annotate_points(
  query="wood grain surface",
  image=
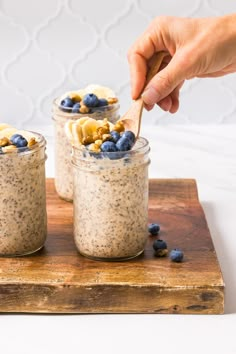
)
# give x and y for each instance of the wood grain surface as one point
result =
(57, 279)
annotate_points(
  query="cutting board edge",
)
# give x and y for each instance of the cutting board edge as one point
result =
(49, 299)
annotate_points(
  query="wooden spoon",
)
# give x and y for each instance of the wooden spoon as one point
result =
(132, 118)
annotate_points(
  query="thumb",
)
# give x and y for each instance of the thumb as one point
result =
(163, 83)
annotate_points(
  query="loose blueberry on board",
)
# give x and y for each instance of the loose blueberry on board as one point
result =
(153, 229)
(67, 102)
(176, 255)
(14, 137)
(159, 245)
(115, 136)
(160, 248)
(76, 108)
(124, 144)
(108, 146)
(90, 100)
(102, 102)
(129, 135)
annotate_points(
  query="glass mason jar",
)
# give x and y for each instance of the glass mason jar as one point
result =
(111, 202)
(23, 217)
(63, 175)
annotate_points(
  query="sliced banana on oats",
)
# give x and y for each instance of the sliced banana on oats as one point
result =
(8, 132)
(105, 121)
(4, 126)
(99, 91)
(9, 148)
(73, 132)
(89, 128)
(82, 120)
(77, 134)
(68, 130)
(84, 130)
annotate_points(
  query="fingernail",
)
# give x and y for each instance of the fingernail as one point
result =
(150, 96)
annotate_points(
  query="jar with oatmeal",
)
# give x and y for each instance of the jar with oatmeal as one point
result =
(109, 108)
(23, 218)
(111, 202)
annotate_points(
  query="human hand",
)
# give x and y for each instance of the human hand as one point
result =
(203, 47)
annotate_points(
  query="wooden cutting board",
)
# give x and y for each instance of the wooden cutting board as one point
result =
(59, 280)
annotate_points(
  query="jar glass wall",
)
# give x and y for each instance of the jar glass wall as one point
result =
(111, 202)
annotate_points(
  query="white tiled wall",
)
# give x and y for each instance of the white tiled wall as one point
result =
(47, 47)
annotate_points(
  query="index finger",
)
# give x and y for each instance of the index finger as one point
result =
(138, 56)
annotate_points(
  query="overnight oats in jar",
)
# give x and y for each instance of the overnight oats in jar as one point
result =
(23, 217)
(110, 193)
(94, 101)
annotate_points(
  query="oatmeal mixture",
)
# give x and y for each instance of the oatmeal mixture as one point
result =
(23, 219)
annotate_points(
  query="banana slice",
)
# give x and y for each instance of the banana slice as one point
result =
(73, 132)
(7, 132)
(105, 121)
(82, 120)
(84, 130)
(100, 91)
(77, 134)
(89, 128)
(4, 126)
(68, 130)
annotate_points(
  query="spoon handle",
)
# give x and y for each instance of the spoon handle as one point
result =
(155, 64)
(132, 118)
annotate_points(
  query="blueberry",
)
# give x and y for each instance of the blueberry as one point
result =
(159, 245)
(124, 144)
(176, 255)
(18, 140)
(160, 248)
(129, 135)
(153, 229)
(90, 100)
(14, 137)
(115, 136)
(76, 108)
(108, 146)
(67, 102)
(102, 102)
(21, 142)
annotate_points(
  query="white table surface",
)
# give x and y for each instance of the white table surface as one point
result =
(207, 154)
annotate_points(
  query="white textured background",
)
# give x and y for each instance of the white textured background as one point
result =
(47, 47)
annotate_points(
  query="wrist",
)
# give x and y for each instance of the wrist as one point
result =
(229, 26)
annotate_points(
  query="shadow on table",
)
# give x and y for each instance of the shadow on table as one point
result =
(226, 262)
